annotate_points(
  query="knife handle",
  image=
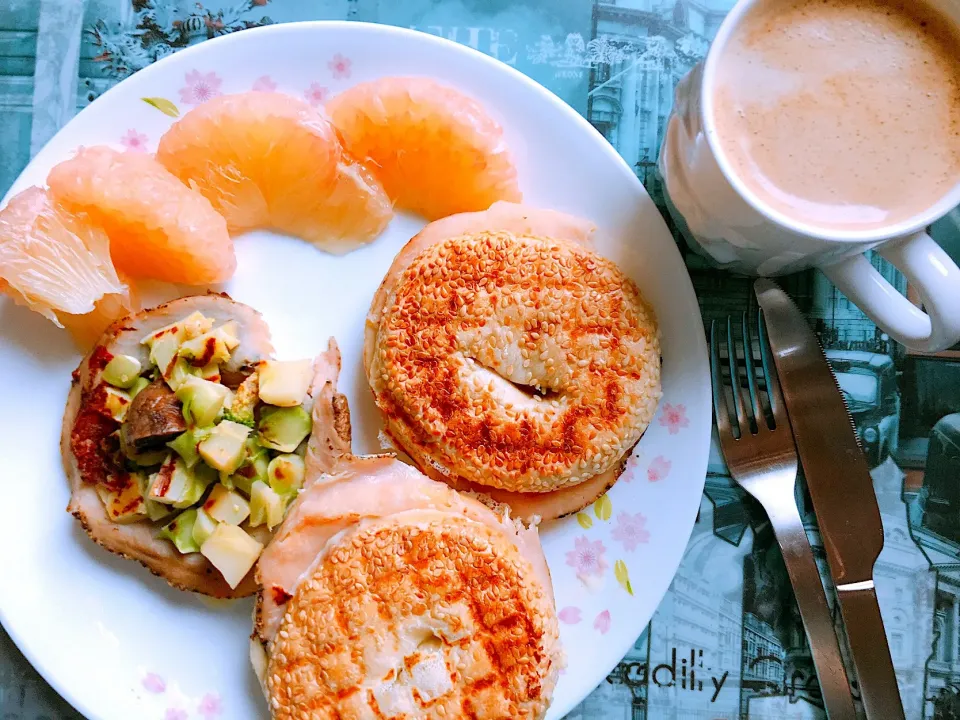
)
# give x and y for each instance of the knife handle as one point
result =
(870, 652)
(812, 603)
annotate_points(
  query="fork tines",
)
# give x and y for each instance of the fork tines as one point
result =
(734, 370)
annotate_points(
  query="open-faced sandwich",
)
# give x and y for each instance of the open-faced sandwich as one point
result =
(183, 441)
(387, 594)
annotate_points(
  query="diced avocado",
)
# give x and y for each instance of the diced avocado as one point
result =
(140, 384)
(185, 444)
(286, 473)
(157, 511)
(283, 428)
(176, 484)
(189, 327)
(226, 479)
(227, 506)
(241, 407)
(205, 474)
(236, 481)
(122, 371)
(203, 526)
(285, 383)
(116, 402)
(259, 463)
(213, 346)
(254, 468)
(266, 506)
(179, 531)
(201, 400)
(122, 499)
(225, 449)
(231, 551)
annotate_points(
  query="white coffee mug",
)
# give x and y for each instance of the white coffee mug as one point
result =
(734, 228)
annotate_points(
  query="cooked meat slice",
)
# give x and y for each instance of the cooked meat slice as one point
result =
(154, 417)
(330, 438)
(358, 488)
(140, 540)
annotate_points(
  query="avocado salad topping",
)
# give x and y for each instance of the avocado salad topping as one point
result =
(203, 460)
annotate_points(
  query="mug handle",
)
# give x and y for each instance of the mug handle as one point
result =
(929, 269)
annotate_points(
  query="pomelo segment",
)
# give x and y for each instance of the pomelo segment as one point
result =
(59, 266)
(158, 227)
(436, 150)
(268, 160)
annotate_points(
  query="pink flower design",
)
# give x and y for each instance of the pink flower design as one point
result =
(587, 556)
(569, 615)
(200, 87)
(602, 622)
(264, 83)
(631, 530)
(316, 94)
(674, 417)
(210, 706)
(339, 66)
(154, 683)
(659, 469)
(134, 141)
(175, 714)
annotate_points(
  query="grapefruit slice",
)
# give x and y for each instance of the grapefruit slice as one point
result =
(271, 160)
(59, 266)
(436, 151)
(158, 227)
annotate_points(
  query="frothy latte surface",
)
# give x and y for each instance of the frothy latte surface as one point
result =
(844, 114)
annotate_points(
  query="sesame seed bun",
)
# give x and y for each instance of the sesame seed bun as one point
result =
(362, 488)
(509, 361)
(422, 614)
(387, 594)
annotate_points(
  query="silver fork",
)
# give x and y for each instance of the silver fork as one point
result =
(760, 453)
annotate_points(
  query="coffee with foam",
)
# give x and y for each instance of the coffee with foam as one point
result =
(842, 114)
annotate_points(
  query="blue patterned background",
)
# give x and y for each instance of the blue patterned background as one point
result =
(730, 610)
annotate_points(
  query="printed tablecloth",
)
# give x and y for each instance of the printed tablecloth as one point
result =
(727, 641)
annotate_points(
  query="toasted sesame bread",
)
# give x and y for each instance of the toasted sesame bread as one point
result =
(387, 594)
(422, 614)
(522, 363)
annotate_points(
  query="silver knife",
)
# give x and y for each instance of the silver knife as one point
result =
(841, 489)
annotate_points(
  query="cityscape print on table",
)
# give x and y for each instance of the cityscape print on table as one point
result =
(727, 641)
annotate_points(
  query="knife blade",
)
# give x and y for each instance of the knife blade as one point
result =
(840, 486)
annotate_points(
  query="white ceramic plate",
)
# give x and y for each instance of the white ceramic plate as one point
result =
(117, 642)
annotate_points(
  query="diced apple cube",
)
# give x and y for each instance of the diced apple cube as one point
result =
(285, 383)
(266, 506)
(224, 449)
(231, 551)
(122, 499)
(227, 506)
